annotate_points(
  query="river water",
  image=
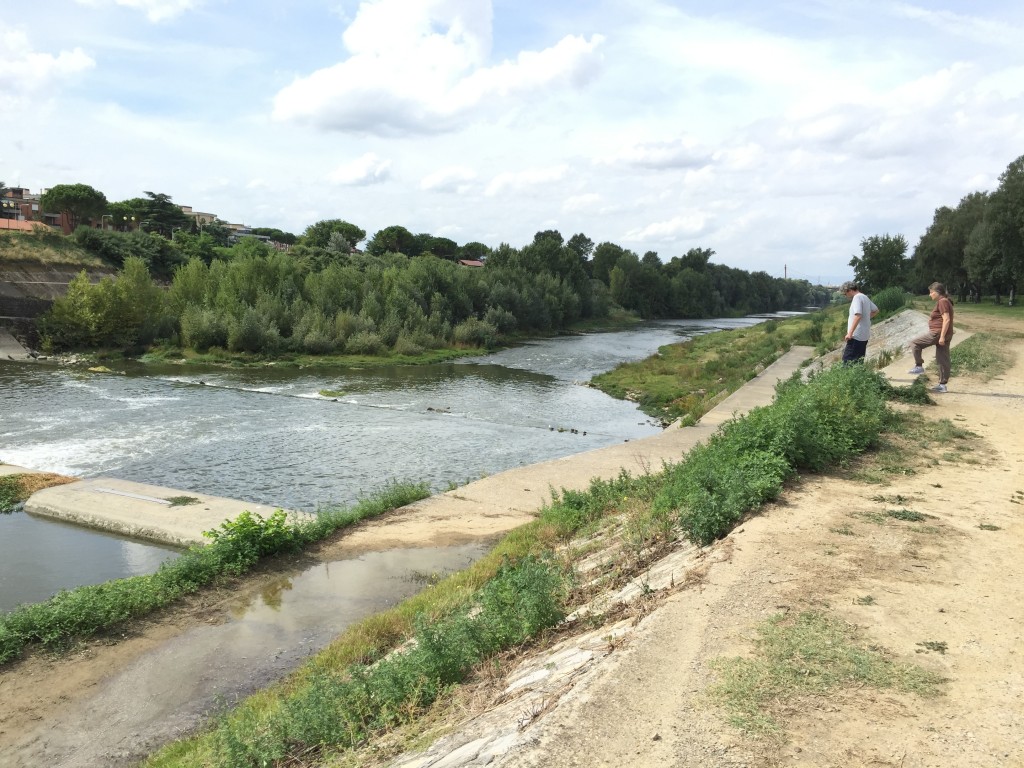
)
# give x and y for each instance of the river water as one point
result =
(268, 435)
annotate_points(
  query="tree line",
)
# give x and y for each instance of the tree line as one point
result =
(976, 248)
(323, 295)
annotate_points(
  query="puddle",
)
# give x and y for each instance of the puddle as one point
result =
(175, 688)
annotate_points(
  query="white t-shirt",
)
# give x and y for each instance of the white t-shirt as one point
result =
(863, 306)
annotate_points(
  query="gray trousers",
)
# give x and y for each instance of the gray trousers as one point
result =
(931, 339)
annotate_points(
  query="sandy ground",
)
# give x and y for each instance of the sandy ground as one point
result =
(949, 582)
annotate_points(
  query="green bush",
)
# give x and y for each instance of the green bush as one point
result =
(475, 333)
(811, 425)
(202, 329)
(890, 300)
(364, 343)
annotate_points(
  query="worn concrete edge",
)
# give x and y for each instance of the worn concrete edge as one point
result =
(111, 505)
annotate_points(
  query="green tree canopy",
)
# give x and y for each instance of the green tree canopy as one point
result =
(160, 214)
(277, 235)
(318, 235)
(79, 202)
(393, 239)
(882, 262)
(940, 253)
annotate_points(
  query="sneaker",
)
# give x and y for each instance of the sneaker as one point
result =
(917, 369)
(939, 388)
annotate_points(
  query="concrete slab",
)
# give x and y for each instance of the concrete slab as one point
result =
(12, 469)
(139, 510)
(11, 349)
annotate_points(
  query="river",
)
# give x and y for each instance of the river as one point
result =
(267, 435)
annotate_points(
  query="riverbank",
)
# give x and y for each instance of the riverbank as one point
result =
(641, 688)
(717, 593)
(55, 690)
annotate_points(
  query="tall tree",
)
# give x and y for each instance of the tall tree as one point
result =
(882, 262)
(1005, 214)
(940, 253)
(393, 239)
(78, 202)
(606, 255)
(318, 235)
(160, 214)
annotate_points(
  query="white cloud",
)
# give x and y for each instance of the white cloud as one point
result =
(363, 171)
(522, 180)
(456, 178)
(155, 10)
(421, 67)
(29, 73)
(781, 138)
(582, 203)
(683, 225)
(677, 153)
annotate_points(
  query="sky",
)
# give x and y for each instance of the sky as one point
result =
(777, 134)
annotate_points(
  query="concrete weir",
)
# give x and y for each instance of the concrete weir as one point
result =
(141, 511)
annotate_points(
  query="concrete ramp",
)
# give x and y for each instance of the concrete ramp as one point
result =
(11, 349)
(142, 511)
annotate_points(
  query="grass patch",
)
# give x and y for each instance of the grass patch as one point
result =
(220, 358)
(182, 501)
(907, 437)
(809, 654)
(15, 489)
(45, 246)
(909, 515)
(983, 355)
(686, 380)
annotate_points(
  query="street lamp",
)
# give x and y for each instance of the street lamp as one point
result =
(9, 206)
(128, 221)
(106, 216)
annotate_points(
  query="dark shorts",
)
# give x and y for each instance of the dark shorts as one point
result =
(854, 351)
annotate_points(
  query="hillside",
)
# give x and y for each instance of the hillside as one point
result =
(36, 268)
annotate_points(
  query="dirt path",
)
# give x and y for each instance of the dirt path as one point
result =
(950, 585)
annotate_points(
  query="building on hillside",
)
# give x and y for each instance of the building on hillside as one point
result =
(19, 204)
(471, 263)
(201, 218)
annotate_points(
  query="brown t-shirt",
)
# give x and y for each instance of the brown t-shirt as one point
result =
(942, 307)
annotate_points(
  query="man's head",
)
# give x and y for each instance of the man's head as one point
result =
(848, 288)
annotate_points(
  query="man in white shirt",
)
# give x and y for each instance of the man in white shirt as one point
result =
(858, 326)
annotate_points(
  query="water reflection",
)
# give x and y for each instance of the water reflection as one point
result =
(40, 557)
